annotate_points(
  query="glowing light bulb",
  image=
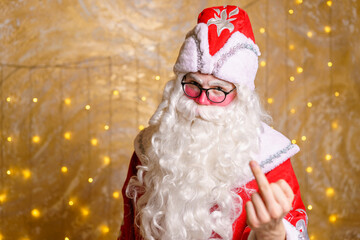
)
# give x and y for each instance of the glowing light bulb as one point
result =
(1, 237)
(26, 173)
(116, 194)
(292, 78)
(299, 69)
(141, 127)
(66, 238)
(330, 192)
(9, 139)
(309, 169)
(116, 93)
(85, 211)
(327, 29)
(309, 34)
(329, 3)
(67, 135)
(106, 127)
(35, 213)
(104, 229)
(262, 30)
(87, 107)
(330, 64)
(67, 101)
(107, 160)
(332, 218)
(291, 46)
(71, 203)
(90, 180)
(310, 207)
(157, 78)
(8, 99)
(309, 104)
(263, 63)
(270, 100)
(291, 11)
(36, 139)
(292, 111)
(293, 141)
(337, 94)
(303, 138)
(2, 197)
(299, 1)
(328, 157)
(143, 98)
(64, 169)
(8, 172)
(94, 142)
(35, 100)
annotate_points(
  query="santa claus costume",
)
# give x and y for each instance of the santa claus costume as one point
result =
(189, 176)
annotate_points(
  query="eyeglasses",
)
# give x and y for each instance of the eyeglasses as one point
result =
(194, 90)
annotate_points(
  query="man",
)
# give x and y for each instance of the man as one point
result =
(190, 176)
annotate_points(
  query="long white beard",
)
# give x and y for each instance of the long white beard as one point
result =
(200, 156)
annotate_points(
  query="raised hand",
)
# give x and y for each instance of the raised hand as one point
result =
(268, 206)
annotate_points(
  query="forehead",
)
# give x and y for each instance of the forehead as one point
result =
(208, 79)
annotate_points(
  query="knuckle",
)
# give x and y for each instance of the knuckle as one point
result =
(275, 212)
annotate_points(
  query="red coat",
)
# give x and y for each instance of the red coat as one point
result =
(296, 217)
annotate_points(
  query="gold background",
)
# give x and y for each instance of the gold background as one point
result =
(108, 53)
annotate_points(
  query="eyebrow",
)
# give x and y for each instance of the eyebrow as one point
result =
(199, 80)
(212, 82)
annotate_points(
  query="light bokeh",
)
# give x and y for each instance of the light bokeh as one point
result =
(79, 79)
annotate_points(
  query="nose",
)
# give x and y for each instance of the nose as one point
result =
(202, 99)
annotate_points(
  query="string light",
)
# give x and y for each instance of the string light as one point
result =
(1, 237)
(334, 125)
(337, 94)
(291, 46)
(262, 30)
(299, 69)
(309, 34)
(64, 169)
(141, 127)
(309, 207)
(35, 100)
(270, 100)
(104, 229)
(35, 213)
(66, 238)
(71, 202)
(94, 142)
(87, 107)
(67, 101)
(85, 211)
(8, 99)
(291, 11)
(293, 141)
(157, 78)
(2, 197)
(303, 138)
(309, 169)
(116, 93)
(327, 29)
(329, 3)
(309, 104)
(9, 139)
(25, 238)
(332, 218)
(292, 78)
(143, 98)
(292, 111)
(67, 135)
(107, 160)
(26, 173)
(8, 172)
(299, 1)
(116, 194)
(330, 192)
(90, 180)
(328, 157)
(36, 139)
(312, 237)
(106, 127)
(329, 64)
(263, 63)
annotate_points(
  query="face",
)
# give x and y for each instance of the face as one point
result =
(209, 81)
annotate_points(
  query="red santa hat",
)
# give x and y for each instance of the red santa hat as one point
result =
(221, 44)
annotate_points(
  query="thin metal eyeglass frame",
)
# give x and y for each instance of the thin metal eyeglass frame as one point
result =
(204, 89)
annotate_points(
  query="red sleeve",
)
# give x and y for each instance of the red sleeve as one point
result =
(296, 217)
(127, 231)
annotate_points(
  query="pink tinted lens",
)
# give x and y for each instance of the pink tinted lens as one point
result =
(191, 90)
(216, 95)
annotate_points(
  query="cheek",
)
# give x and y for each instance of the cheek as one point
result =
(227, 101)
